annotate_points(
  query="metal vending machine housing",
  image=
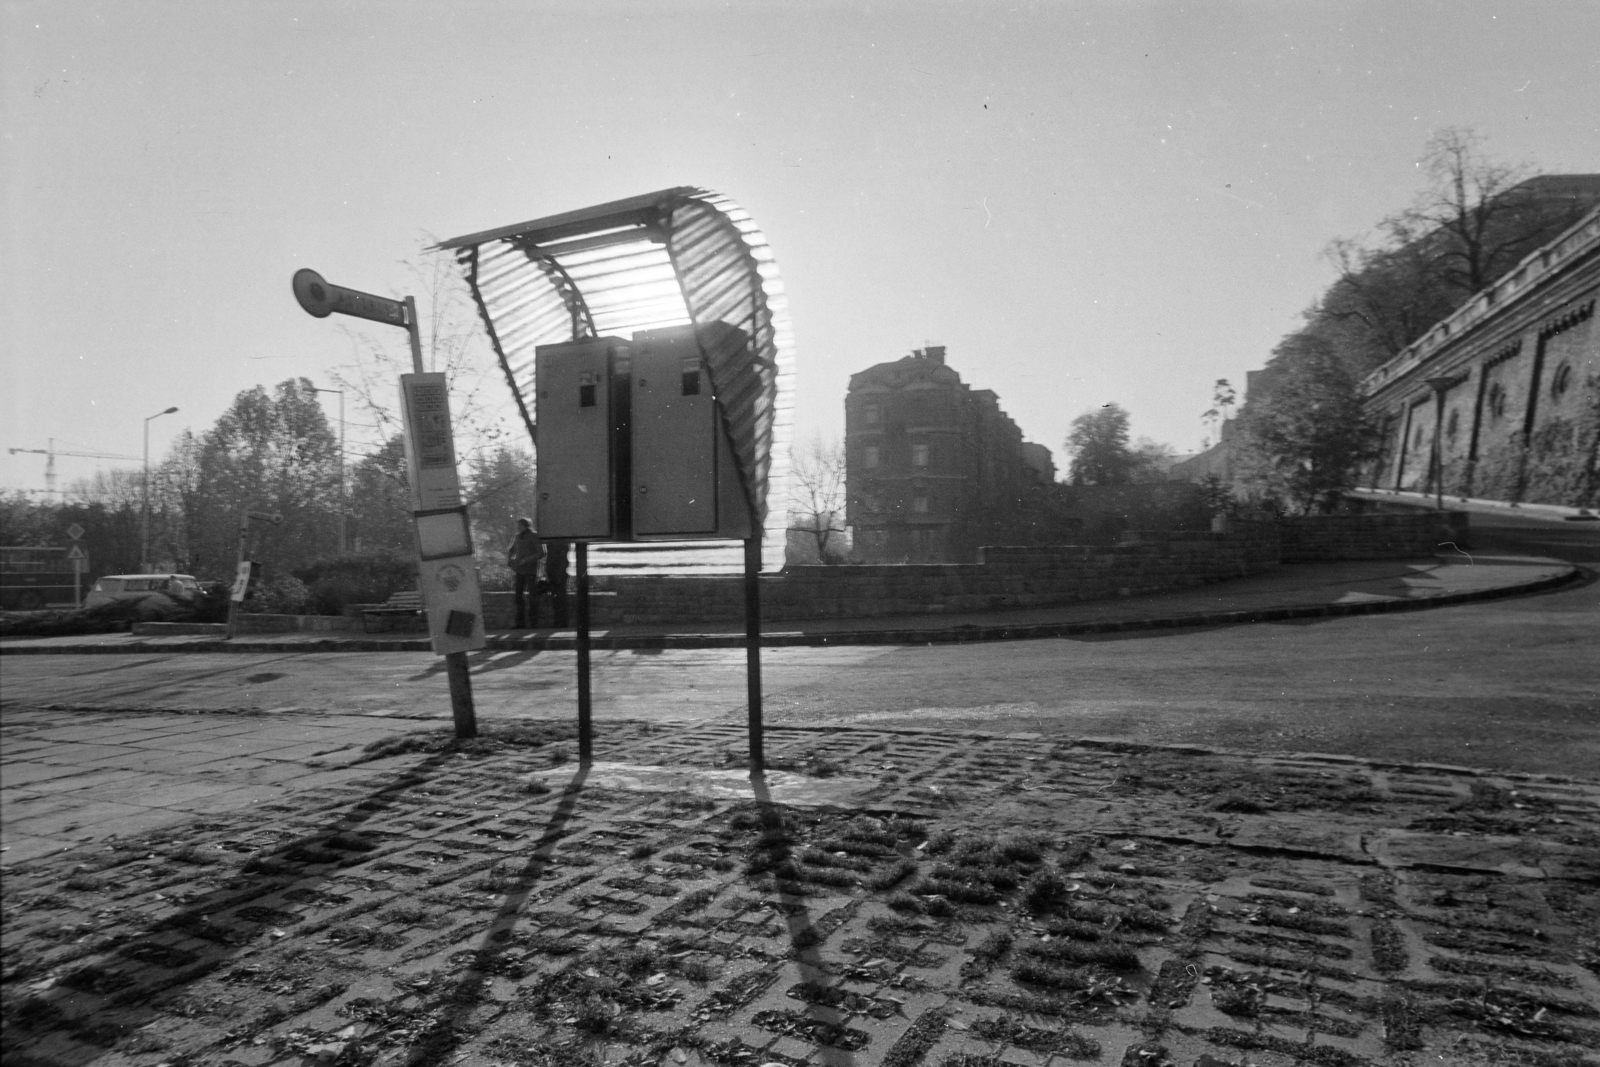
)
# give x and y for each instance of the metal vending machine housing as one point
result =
(685, 482)
(582, 416)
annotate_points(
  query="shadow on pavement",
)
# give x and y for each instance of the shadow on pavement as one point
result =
(95, 1005)
(464, 995)
(803, 937)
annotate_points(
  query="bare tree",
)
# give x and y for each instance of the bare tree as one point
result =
(1467, 198)
(816, 495)
(453, 342)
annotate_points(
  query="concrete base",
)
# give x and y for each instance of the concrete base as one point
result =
(295, 624)
(166, 629)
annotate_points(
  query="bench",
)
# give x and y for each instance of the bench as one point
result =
(406, 604)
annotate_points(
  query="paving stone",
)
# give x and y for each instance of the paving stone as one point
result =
(878, 898)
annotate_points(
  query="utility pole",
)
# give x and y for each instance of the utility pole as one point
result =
(144, 507)
(344, 544)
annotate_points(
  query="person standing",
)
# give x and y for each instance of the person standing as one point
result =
(525, 557)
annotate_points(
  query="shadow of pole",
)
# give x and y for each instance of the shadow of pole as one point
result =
(804, 940)
(92, 1014)
(444, 1035)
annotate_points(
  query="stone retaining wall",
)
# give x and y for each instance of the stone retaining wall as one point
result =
(1371, 535)
(1006, 577)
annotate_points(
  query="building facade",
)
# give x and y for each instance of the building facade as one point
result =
(1518, 370)
(933, 466)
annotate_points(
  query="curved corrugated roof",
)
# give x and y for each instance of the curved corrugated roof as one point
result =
(664, 259)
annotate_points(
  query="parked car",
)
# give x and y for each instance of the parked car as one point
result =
(161, 593)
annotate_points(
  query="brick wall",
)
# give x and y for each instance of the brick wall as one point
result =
(1397, 535)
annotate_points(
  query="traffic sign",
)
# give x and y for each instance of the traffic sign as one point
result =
(75, 532)
(77, 552)
(321, 298)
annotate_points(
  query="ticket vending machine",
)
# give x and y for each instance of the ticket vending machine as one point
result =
(632, 442)
(633, 446)
(581, 415)
(685, 483)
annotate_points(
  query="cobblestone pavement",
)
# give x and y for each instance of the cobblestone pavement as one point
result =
(879, 897)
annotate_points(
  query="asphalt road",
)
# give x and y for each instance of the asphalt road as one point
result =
(1510, 685)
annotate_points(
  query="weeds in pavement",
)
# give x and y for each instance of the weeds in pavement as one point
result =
(195, 855)
(1045, 890)
(490, 740)
(1117, 955)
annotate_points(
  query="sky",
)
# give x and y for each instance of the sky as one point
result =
(1084, 202)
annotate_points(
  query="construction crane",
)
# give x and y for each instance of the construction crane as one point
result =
(51, 452)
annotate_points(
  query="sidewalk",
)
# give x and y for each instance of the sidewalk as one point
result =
(879, 897)
(1297, 590)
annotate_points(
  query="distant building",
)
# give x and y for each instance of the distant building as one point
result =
(1040, 462)
(933, 466)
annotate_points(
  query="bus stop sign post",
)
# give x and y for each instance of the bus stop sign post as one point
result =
(245, 571)
(445, 569)
(80, 561)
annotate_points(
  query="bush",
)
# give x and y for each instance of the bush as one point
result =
(114, 617)
(280, 594)
(369, 578)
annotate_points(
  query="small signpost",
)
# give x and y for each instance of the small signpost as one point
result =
(80, 563)
(245, 571)
(447, 573)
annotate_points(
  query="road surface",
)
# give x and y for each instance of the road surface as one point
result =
(1510, 684)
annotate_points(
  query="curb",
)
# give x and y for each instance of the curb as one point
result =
(796, 639)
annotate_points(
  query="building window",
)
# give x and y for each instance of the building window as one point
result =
(919, 455)
(919, 504)
(871, 456)
(1497, 401)
(1416, 438)
(1452, 424)
(1561, 382)
(871, 414)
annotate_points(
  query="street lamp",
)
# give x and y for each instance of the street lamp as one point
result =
(144, 510)
(343, 545)
(1440, 384)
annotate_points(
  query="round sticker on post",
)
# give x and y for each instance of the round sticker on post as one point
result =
(451, 577)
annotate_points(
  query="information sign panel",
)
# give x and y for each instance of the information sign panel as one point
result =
(430, 444)
(241, 581)
(447, 574)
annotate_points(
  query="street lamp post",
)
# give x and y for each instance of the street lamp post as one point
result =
(1440, 384)
(344, 545)
(144, 510)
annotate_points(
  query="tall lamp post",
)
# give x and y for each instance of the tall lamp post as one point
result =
(343, 544)
(144, 510)
(1440, 384)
